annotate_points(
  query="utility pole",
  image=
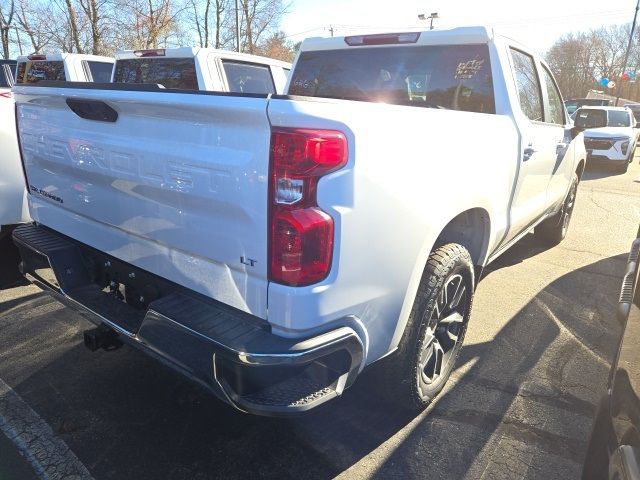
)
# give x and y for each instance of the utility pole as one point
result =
(626, 56)
(331, 29)
(238, 29)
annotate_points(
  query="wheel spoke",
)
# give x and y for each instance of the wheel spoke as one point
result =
(455, 317)
(427, 346)
(460, 291)
(438, 353)
(428, 362)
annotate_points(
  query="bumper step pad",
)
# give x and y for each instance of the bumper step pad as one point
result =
(231, 352)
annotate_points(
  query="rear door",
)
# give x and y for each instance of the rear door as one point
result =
(538, 144)
(560, 131)
(174, 183)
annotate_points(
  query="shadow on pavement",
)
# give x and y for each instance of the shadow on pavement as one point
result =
(596, 172)
(535, 384)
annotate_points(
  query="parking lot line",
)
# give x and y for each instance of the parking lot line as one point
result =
(49, 455)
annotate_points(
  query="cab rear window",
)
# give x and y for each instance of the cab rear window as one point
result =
(455, 77)
(38, 70)
(178, 73)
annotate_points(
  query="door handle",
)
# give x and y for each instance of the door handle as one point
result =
(528, 152)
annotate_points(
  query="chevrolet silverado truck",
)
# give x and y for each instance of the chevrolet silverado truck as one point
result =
(29, 70)
(270, 247)
(207, 69)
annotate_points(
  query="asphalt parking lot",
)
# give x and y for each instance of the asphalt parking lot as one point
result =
(520, 404)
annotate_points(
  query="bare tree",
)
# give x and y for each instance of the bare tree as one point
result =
(93, 14)
(35, 23)
(154, 22)
(259, 19)
(6, 19)
(73, 26)
(580, 60)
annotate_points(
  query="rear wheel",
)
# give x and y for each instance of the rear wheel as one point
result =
(553, 230)
(433, 337)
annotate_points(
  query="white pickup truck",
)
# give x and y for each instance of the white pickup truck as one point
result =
(207, 69)
(272, 247)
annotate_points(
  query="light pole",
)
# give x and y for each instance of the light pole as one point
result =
(431, 17)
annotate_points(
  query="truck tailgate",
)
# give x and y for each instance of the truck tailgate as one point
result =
(176, 185)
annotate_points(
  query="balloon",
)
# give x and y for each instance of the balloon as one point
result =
(604, 81)
(632, 75)
(625, 76)
(611, 84)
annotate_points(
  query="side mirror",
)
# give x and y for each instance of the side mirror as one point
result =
(590, 118)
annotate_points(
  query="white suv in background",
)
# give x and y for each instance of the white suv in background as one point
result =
(614, 144)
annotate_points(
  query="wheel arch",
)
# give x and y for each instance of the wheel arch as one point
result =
(471, 229)
(580, 168)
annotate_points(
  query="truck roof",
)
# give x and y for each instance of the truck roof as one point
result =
(192, 52)
(458, 35)
(62, 56)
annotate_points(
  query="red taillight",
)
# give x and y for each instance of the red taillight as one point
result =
(301, 241)
(36, 56)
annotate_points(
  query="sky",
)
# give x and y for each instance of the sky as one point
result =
(535, 23)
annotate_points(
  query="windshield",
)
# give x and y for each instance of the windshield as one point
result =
(36, 71)
(456, 77)
(179, 73)
(617, 118)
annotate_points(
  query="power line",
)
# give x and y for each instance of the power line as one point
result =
(306, 31)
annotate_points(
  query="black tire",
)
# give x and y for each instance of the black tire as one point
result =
(414, 375)
(622, 168)
(553, 230)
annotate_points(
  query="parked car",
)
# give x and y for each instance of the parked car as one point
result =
(271, 248)
(201, 69)
(576, 103)
(29, 70)
(635, 109)
(615, 144)
(614, 447)
(70, 67)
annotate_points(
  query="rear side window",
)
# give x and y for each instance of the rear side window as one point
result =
(38, 70)
(7, 74)
(179, 73)
(618, 118)
(100, 71)
(456, 77)
(556, 108)
(528, 85)
(248, 78)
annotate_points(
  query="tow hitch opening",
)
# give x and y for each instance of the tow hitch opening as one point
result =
(101, 337)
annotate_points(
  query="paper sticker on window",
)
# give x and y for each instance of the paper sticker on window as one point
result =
(468, 69)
